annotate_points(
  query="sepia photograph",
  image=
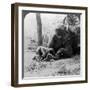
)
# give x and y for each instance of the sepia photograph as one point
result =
(50, 44)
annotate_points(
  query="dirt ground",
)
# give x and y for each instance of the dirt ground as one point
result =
(62, 67)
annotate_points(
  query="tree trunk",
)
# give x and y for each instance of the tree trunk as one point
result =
(39, 28)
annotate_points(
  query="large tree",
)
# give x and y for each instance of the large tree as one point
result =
(39, 28)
